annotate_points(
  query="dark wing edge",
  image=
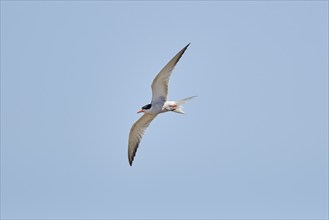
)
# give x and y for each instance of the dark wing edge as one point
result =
(172, 63)
(162, 75)
(136, 133)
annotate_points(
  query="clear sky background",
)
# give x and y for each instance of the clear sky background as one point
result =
(253, 144)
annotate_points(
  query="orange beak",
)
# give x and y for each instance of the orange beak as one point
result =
(142, 110)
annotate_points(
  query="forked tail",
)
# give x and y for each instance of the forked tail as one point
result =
(180, 103)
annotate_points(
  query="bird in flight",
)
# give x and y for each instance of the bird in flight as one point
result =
(159, 104)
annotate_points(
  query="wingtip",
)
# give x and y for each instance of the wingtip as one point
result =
(185, 48)
(130, 161)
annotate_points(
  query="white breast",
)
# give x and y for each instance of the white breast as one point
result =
(168, 106)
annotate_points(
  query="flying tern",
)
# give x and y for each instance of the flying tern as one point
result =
(159, 104)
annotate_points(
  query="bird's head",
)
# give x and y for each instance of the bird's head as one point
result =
(145, 108)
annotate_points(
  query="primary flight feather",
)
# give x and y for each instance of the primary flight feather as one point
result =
(159, 104)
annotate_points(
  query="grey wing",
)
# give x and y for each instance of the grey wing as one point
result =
(160, 82)
(136, 134)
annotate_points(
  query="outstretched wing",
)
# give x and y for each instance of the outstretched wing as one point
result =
(160, 82)
(136, 134)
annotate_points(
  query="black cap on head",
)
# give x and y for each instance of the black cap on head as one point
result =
(148, 106)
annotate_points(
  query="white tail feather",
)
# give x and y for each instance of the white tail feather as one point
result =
(180, 103)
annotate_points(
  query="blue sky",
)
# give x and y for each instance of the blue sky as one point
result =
(253, 144)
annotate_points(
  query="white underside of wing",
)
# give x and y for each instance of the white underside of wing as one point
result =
(136, 134)
(160, 82)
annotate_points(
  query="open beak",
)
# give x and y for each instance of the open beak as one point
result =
(142, 110)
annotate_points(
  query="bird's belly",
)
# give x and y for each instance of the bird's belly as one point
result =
(169, 106)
